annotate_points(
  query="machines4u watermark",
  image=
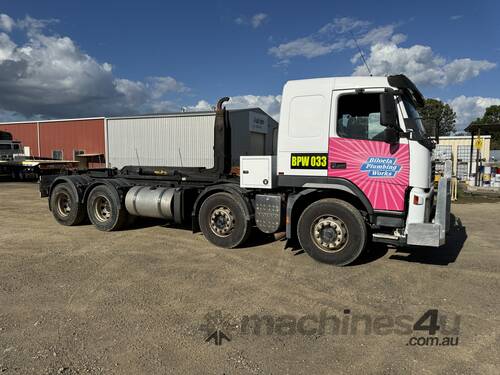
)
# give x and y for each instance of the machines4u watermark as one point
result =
(431, 328)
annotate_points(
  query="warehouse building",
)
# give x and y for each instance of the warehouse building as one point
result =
(164, 139)
(59, 139)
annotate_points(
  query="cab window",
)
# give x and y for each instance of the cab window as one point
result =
(358, 117)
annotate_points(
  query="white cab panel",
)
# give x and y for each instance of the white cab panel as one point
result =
(304, 122)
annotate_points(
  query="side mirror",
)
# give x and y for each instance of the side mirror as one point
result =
(391, 135)
(388, 110)
(431, 126)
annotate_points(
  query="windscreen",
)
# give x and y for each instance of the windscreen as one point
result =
(414, 116)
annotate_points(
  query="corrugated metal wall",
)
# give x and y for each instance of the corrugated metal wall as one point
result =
(68, 136)
(44, 137)
(177, 140)
(24, 132)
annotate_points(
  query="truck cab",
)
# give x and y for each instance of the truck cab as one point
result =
(9, 149)
(362, 135)
(360, 140)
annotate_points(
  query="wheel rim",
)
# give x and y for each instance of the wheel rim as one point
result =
(102, 209)
(329, 233)
(63, 204)
(221, 221)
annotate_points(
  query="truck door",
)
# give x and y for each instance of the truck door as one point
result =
(304, 128)
(358, 152)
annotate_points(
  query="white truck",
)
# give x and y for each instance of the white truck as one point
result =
(353, 165)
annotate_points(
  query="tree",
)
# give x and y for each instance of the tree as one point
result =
(491, 116)
(435, 113)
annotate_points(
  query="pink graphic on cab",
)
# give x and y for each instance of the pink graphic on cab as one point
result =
(379, 170)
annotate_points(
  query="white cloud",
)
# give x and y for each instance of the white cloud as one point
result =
(7, 47)
(50, 76)
(421, 64)
(382, 34)
(386, 55)
(163, 85)
(254, 21)
(6, 23)
(343, 25)
(202, 105)
(258, 19)
(34, 25)
(330, 38)
(468, 108)
(268, 103)
(307, 47)
(456, 17)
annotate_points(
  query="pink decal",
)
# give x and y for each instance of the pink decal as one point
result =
(380, 170)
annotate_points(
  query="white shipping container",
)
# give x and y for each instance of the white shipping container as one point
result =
(185, 139)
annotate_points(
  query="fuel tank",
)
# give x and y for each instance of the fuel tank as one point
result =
(150, 201)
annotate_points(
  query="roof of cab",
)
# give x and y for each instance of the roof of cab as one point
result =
(344, 82)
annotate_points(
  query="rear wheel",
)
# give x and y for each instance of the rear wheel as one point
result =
(65, 207)
(222, 221)
(104, 209)
(332, 231)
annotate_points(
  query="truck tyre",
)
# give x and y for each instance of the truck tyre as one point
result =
(332, 231)
(104, 209)
(65, 207)
(222, 221)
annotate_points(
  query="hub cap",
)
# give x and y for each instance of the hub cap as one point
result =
(329, 233)
(102, 209)
(63, 204)
(221, 221)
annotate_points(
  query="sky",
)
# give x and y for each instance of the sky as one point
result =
(62, 59)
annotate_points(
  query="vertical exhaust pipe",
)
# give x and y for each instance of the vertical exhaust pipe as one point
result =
(222, 139)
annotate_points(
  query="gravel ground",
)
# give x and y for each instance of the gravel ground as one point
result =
(74, 300)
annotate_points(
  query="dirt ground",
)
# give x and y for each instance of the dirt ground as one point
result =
(74, 300)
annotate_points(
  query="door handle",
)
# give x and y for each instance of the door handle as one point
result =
(341, 165)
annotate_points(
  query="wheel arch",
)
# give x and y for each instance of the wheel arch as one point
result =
(119, 185)
(77, 184)
(296, 203)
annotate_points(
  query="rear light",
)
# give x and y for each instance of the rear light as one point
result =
(418, 200)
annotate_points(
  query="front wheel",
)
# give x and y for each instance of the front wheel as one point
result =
(222, 221)
(332, 231)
